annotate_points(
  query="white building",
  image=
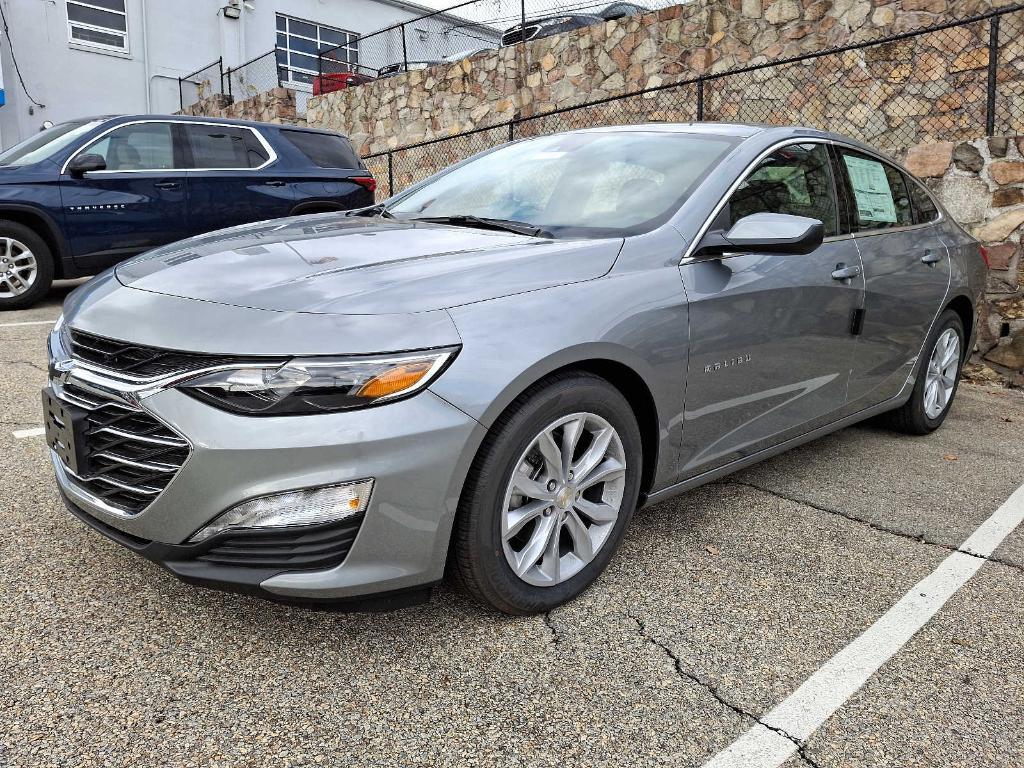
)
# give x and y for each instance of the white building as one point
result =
(93, 57)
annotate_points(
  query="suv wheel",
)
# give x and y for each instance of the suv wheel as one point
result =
(549, 495)
(26, 266)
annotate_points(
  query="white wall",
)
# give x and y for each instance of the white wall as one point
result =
(167, 39)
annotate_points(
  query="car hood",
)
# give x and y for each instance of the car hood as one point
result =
(334, 264)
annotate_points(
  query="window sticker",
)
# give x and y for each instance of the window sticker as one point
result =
(871, 190)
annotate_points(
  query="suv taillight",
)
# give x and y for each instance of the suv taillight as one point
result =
(366, 182)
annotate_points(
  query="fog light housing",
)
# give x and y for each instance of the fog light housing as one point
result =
(312, 506)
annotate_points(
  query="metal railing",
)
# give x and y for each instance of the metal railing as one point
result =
(975, 85)
(204, 82)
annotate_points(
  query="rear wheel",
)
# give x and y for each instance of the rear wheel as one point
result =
(937, 381)
(26, 266)
(549, 495)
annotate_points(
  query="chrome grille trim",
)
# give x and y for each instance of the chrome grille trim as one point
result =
(131, 455)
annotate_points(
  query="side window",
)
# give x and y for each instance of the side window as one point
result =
(796, 180)
(880, 196)
(924, 208)
(139, 147)
(221, 146)
(324, 150)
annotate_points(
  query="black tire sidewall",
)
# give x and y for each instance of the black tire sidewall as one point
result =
(496, 579)
(948, 319)
(44, 265)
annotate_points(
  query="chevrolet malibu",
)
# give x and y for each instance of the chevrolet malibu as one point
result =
(488, 373)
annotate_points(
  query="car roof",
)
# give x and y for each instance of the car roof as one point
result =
(768, 133)
(215, 120)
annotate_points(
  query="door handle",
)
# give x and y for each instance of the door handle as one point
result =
(274, 183)
(930, 257)
(167, 184)
(843, 272)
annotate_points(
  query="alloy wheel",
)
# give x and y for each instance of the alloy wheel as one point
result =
(940, 378)
(18, 268)
(563, 499)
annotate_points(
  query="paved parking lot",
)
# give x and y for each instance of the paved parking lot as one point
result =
(720, 605)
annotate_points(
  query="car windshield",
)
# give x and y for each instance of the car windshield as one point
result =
(45, 144)
(597, 184)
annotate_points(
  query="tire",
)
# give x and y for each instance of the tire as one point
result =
(22, 239)
(481, 553)
(913, 417)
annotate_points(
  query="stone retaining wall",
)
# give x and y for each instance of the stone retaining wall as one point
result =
(274, 106)
(932, 87)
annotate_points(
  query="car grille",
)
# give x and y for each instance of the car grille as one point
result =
(129, 456)
(136, 360)
(306, 549)
(519, 35)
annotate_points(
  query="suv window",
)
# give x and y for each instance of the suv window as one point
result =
(924, 207)
(323, 149)
(796, 180)
(880, 197)
(223, 146)
(136, 147)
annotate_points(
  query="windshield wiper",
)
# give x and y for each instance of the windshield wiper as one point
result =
(482, 222)
(373, 210)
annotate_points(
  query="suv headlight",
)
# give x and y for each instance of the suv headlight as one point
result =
(320, 384)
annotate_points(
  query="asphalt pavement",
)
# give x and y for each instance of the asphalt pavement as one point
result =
(719, 606)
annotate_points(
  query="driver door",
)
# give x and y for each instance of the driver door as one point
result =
(138, 202)
(771, 336)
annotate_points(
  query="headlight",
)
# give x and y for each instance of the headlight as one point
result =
(319, 385)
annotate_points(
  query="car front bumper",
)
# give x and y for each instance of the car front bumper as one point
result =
(417, 451)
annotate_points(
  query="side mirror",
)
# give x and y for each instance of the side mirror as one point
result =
(766, 233)
(82, 164)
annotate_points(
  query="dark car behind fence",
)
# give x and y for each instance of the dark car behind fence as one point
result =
(881, 97)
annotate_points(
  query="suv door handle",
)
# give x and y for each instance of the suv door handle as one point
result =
(843, 272)
(930, 257)
(274, 183)
(167, 184)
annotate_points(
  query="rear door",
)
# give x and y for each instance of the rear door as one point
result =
(227, 185)
(906, 269)
(771, 347)
(137, 203)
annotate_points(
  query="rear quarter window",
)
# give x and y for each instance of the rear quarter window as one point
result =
(323, 149)
(924, 208)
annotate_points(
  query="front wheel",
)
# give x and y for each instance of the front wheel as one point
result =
(549, 495)
(937, 381)
(26, 266)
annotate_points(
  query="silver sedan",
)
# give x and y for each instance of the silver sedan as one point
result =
(488, 373)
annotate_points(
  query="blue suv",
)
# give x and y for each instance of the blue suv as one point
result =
(84, 195)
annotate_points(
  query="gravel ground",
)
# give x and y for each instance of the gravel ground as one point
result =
(719, 605)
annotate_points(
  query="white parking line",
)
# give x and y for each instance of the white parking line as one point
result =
(810, 705)
(21, 434)
(28, 322)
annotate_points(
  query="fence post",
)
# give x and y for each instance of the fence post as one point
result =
(405, 53)
(511, 130)
(993, 67)
(220, 69)
(277, 69)
(700, 99)
(181, 97)
(522, 19)
(391, 175)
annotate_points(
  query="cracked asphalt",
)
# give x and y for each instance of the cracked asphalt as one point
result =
(720, 604)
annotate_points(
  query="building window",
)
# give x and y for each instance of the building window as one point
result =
(299, 42)
(98, 23)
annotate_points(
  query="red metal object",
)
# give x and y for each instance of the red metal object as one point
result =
(337, 81)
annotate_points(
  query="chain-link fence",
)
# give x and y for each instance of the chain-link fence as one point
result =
(255, 76)
(202, 84)
(947, 82)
